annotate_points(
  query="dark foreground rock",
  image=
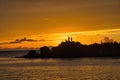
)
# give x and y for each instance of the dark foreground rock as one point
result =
(71, 49)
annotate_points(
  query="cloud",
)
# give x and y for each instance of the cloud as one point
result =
(42, 40)
(23, 40)
(4, 43)
(21, 47)
(114, 31)
(107, 40)
(19, 41)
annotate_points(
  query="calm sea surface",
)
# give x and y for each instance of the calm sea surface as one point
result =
(56, 69)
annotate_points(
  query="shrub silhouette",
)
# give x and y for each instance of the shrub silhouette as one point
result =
(31, 54)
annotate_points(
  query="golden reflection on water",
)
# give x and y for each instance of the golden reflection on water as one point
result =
(55, 69)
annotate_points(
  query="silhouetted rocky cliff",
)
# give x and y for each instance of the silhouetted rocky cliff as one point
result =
(71, 49)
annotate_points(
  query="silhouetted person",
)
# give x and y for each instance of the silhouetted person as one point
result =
(68, 38)
(71, 38)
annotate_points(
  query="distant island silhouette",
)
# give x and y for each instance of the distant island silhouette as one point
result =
(72, 49)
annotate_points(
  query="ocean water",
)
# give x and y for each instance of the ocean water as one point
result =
(59, 69)
(55, 69)
(12, 54)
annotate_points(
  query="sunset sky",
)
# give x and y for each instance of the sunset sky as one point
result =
(36, 23)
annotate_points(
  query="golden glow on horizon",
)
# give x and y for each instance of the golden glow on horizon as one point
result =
(86, 37)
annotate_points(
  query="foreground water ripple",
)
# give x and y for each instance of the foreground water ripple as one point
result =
(56, 69)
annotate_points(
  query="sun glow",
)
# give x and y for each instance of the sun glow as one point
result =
(37, 41)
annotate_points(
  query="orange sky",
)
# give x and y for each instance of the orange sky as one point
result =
(51, 21)
(37, 41)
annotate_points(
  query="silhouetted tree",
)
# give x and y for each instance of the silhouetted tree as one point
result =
(45, 52)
